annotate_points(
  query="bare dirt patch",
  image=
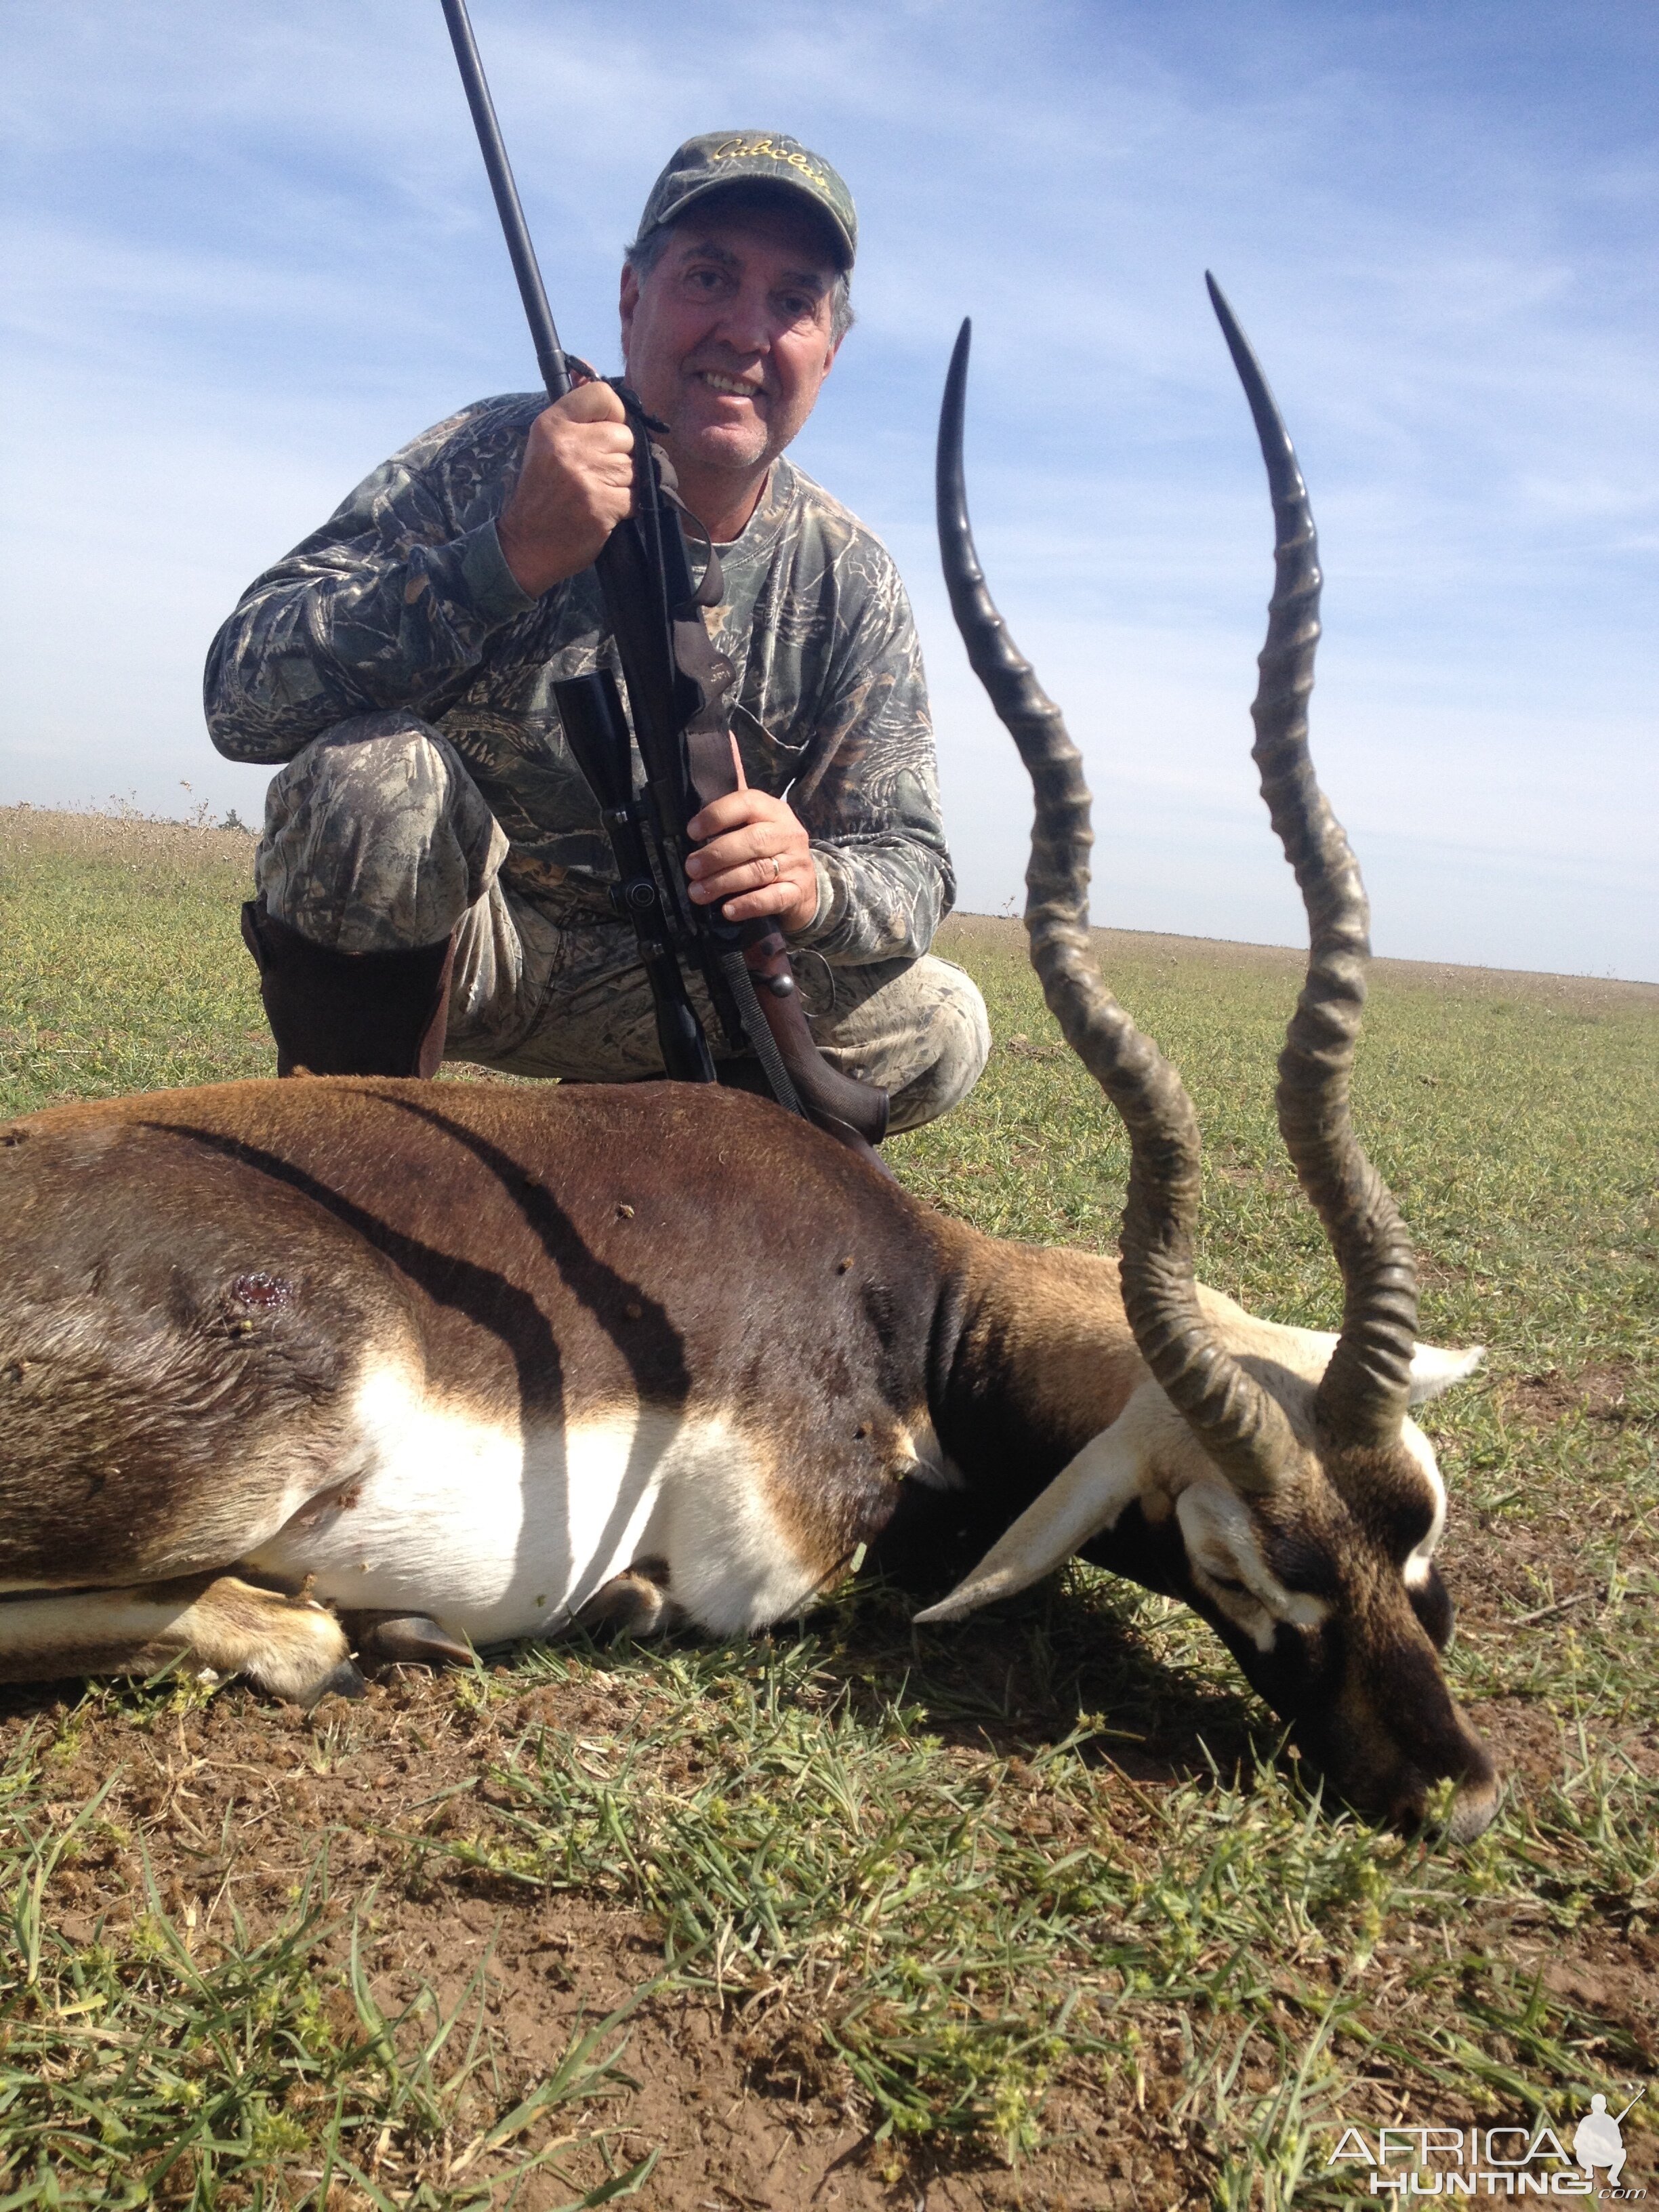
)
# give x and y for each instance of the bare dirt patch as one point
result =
(749, 2105)
(748, 2102)
(1603, 1393)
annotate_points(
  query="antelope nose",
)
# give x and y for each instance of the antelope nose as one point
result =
(1474, 1807)
(1473, 1810)
(1480, 1792)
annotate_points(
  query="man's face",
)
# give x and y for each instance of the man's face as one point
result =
(727, 338)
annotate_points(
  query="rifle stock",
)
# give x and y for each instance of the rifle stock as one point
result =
(853, 1112)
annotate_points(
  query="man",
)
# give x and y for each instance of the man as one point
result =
(433, 876)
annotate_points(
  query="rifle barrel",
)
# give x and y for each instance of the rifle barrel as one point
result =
(642, 603)
(549, 354)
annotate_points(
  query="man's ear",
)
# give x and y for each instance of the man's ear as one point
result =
(628, 300)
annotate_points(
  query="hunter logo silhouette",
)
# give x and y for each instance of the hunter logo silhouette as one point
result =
(1597, 2140)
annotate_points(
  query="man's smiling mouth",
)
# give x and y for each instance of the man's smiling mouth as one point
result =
(716, 382)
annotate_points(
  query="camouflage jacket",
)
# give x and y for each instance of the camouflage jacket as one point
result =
(402, 598)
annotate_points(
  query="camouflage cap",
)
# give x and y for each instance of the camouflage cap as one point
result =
(719, 158)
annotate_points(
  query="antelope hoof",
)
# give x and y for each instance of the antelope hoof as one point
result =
(633, 1603)
(412, 1639)
(341, 1681)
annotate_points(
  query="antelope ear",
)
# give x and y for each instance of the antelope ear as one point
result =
(1434, 1370)
(1083, 1498)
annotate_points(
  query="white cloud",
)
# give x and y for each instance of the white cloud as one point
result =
(251, 251)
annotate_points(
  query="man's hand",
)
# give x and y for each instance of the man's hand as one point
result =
(575, 486)
(757, 860)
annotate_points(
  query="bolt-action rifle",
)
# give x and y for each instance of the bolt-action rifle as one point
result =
(677, 687)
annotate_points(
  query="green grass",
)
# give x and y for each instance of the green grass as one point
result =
(121, 963)
(954, 1930)
(1040, 1893)
(162, 2065)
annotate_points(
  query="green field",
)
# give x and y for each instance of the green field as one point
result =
(1032, 1911)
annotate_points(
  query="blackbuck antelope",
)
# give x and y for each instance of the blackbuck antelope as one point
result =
(293, 1369)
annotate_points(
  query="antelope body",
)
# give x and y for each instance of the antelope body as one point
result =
(291, 1368)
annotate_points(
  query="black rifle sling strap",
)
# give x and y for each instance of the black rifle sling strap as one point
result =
(752, 972)
(713, 770)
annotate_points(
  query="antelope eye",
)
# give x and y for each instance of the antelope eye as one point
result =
(1303, 1566)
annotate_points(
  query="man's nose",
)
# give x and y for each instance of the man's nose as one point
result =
(746, 326)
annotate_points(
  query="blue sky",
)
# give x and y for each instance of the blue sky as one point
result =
(249, 251)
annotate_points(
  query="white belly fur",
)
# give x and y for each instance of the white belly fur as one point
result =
(497, 1534)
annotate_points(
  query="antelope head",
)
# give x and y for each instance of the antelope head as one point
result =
(1270, 1477)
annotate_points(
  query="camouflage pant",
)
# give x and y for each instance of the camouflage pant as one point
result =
(377, 840)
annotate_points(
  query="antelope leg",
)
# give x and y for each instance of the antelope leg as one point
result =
(415, 1638)
(290, 1646)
